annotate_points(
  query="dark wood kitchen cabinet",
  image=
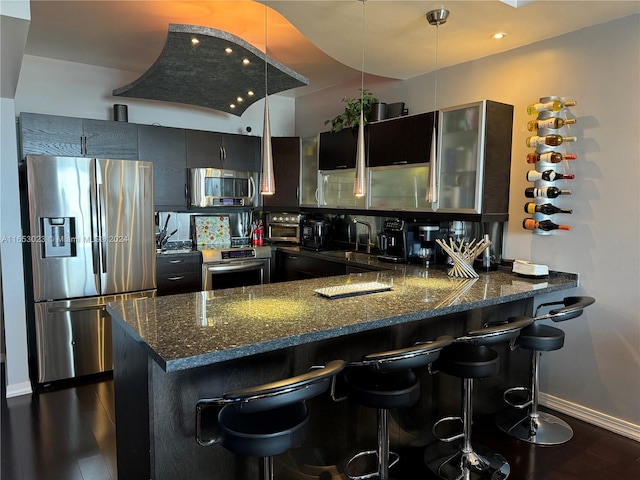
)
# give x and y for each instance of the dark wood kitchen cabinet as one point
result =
(338, 150)
(165, 147)
(42, 134)
(292, 266)
(401, 141)
(286, 170)
(178, 273)
(222, 150)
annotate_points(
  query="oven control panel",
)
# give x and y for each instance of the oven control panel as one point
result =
(239, 253)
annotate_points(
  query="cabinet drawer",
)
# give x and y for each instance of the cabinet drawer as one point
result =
(184, 282)
(169, 265)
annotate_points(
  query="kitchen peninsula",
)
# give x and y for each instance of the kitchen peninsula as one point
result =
(171, 351)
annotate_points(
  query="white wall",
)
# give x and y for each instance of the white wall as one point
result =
(599, 366)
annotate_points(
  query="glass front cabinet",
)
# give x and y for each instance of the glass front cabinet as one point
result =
(474, 158)
(472, 164)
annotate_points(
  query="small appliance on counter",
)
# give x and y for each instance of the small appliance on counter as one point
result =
(284, 227)
(316, 234)
(404, 241)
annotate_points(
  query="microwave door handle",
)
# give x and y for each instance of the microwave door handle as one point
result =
(252, 186)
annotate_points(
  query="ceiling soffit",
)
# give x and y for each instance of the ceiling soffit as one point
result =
(207, 75)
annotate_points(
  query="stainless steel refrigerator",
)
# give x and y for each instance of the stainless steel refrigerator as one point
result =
(92, 242)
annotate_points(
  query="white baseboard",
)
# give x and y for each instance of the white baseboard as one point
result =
(615, 425)
(18, 389)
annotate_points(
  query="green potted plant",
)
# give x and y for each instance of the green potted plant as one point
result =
(351, 115)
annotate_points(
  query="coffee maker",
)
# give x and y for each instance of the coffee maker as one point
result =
(393, 241)
(316, 234)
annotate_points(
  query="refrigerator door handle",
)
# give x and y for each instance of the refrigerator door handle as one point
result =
(102, 236)
(95, 228)
(75, 309)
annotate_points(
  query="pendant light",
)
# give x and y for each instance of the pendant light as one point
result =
(267, 180)
(360, 184)
(435, 17)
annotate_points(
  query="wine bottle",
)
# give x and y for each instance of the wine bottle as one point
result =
(550, 157)
(553, 106)
(552, 140)
(546, 225)
(545, 192)
(548, 175)
(553, 123)
(545, 209)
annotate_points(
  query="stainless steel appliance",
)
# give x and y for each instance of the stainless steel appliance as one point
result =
(91, 223)
(316, 234)
(214, 187)
(234, 267)
(402, 240)
(284, 227)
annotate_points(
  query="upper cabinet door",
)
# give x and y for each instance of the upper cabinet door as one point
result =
(241, 152)
(474, 158)
(401, 141)
(204, 149)
(50, 135)
(107, 139)
(166, 148)
(77, 137)
(286, 170)
(338, 150)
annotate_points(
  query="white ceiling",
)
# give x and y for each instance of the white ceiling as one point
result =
(321, 40)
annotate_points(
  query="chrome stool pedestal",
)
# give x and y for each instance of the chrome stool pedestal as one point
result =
(470, 358)
(524, 421)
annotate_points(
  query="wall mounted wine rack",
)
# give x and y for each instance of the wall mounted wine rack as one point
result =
(550, 169)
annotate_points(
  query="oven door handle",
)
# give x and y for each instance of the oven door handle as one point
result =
(234, 268)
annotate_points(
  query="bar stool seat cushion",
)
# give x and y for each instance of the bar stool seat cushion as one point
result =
(468, 361)
(543, 338)
(260, 434)
(382, 390)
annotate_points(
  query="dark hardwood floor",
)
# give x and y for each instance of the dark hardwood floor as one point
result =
(69, 434)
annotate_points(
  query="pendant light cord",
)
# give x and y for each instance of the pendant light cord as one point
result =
(362, 67)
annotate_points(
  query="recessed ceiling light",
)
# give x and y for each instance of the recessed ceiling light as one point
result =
(250, 93)
(195, 41)
(245, 61)
(231, 105)
(498, 36)
(240, 99)
(228, 50)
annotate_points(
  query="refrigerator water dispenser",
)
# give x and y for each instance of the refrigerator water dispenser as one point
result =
(58, 238)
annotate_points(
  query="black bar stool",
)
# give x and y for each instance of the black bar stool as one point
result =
(470, 357)
(384, 381)
(531, 425)
(265, 420)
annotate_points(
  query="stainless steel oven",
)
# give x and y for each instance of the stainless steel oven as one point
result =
(235, 267)
(284, 227)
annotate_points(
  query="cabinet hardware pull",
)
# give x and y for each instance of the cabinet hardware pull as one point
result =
(176, 278)
(402, 162)
(176, 261)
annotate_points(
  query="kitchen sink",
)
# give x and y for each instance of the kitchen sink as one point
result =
(348, 255)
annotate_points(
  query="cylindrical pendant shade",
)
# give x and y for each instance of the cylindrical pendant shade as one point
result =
(432, 189)
(360, 184)
(267, 180)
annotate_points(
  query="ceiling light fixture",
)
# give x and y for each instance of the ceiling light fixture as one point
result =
(435, 17)
(360, 183)
(498, 36)
(267, 180)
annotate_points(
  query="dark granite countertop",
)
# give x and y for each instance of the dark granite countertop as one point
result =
(196, 329)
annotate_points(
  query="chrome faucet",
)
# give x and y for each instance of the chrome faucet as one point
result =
(368, 225)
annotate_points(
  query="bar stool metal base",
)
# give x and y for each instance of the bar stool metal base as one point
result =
(477, 464)
(541, 429)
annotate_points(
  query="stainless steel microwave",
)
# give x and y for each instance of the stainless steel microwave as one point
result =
(214, 187)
